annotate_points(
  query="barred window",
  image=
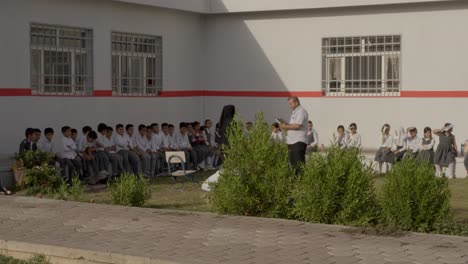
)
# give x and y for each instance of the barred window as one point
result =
(61, 60)
(136, 64)
(362, 66)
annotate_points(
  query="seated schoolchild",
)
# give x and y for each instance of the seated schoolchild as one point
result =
(412, 144)
(28, 143)
(69, 156)
(153, 152)
(312, 138)
(339, 139)
(143, 150)
(133, 157)
(200, 147)
(88, 152)
(353, 139)
(47, 145)
(183, 143)
(106, 155)
(74, 135)
(37, 135)
(210, 136)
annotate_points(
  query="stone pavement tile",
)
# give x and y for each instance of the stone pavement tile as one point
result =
(343, 260)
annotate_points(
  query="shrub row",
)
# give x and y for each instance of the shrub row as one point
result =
(337, 186)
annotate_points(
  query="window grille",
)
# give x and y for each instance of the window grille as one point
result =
(136, 64)
(361, 66)
(61, 60)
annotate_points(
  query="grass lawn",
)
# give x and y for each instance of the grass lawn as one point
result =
(168, 194)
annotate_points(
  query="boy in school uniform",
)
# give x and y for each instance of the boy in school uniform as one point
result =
(106, 154)
(109, 133)
(166, 138)
(143, 149)
(152, 151)
(46, 145)
(133, 157)
(37, 135)
(183, 143)
(28, 143)
(88, 152)
(122, 142)
(71, 160)
(82, 139)
(74, 135)
(156, 145)
(172, 144)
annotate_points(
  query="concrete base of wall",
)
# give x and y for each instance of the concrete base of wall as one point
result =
(62, 255)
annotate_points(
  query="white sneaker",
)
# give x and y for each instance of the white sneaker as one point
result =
(202, 166)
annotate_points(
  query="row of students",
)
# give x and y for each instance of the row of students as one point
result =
(407, 144)
(101, 154)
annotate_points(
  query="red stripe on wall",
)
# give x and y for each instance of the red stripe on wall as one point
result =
(15, 91)
(214, 93)
(102, 93)
(433, 94)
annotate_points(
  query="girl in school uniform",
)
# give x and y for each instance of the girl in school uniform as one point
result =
(400, 144)
(339, 139)
(427, 146)
(446, 151)
(353, 139)
(385, 154)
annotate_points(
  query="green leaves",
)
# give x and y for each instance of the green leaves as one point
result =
(336, 188)
(414, 198)
(130, 190)
(256, 179)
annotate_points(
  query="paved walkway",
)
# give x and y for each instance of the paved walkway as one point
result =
(184, 237)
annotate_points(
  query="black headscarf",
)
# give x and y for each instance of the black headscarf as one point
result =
(226, 117)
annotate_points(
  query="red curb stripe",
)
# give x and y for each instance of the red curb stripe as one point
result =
(15, 92)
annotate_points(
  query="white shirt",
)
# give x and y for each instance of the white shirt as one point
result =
(387, 141)
(132, 139)
(340, 141)
(172, 142)
(121, 142)
(103, 141)
(316, 139)
(81, 141)
(68, 148)
(156, 141)
(277, 136)
(46, 146)
(412, 144)
(142, 143)
(298, 116)
(182, 141)
(166, 141)
(353, 141)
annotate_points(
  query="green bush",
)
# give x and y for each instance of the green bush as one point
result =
(73, 191)
(130, 190)
(33, 158)
(336, 188)
(39, 259)
(42, 179)
(256, 178)
(413, 198)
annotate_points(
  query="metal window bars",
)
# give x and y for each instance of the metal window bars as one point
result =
(61, 60)
(136, 64)
(361, 66)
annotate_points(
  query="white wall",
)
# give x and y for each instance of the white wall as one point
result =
(282, 52)
(233, 6)
(182, 57)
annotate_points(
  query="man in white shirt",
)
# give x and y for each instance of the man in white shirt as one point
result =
(297, 133)
(183, 144)
(143, 149)
(71, 161)
(82, 140)
(312, 138)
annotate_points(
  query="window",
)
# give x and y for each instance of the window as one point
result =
(61, 60)
(136, 64)
(361, 66)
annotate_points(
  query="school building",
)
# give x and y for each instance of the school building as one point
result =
(68, 62)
